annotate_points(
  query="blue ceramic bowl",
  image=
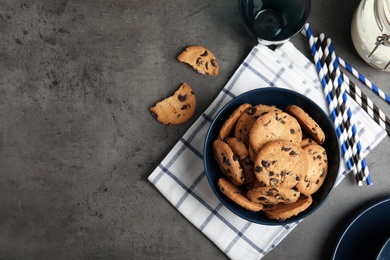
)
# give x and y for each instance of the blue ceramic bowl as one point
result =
(280, 98)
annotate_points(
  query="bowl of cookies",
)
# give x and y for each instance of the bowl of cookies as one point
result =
(271, 156)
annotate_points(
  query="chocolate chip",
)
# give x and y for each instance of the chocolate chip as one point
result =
(185, 107)
(213, 63)
(228, 163)
(278, 196)
(265, 163)
(235, 157)
(205, 53)
(266, 124)
(292, 131)
(199, 62)
(297, 178)
(250, 111)
(286, 149)
(258, 169)
(293, 152)
(207, 65)
(182, 98)
(273, 181)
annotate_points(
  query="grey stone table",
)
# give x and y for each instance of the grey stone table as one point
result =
(77, 141)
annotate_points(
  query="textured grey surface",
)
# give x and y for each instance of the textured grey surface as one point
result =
(77, 141)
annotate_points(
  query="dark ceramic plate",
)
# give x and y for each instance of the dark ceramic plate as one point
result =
(280, 98)
(365, 235)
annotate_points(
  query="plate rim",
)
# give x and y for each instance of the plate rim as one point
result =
(363, 210)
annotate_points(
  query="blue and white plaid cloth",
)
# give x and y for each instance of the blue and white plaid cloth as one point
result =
(181, 178)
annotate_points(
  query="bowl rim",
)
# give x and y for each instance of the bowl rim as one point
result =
(222, 198)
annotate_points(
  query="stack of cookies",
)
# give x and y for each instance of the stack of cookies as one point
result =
(272, 159)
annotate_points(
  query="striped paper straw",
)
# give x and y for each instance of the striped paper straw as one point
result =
(352, 132)
(364, 80)
(338, 103)
(339, 100)
(366, 103)
(334, 114)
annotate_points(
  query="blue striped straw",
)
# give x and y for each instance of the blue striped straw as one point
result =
(348, 118)
(354, 91)
(339, 103)
(334, 114)
(364, 80)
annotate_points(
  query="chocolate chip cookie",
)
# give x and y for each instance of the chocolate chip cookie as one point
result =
(247, 119)
(201, 59)
(307, 123)
(241, 151)
(284, 211)
(274, 125)
(235, 194)
(228, 162)
(317, 169)
(273, 195)
(280, 163)
(176, 109)
(229, 124)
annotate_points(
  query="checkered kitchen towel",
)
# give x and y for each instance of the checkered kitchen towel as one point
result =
(181, 178)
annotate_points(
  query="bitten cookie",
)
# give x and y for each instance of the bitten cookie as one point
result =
(176, 109)
(317, 169)
(273, 195)
(201, 59)
(228, 162)
(284, 211)
(235, 194)
(229, 124)
(247, 119)
(274, 125)
(307, 123)
(280, 163)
